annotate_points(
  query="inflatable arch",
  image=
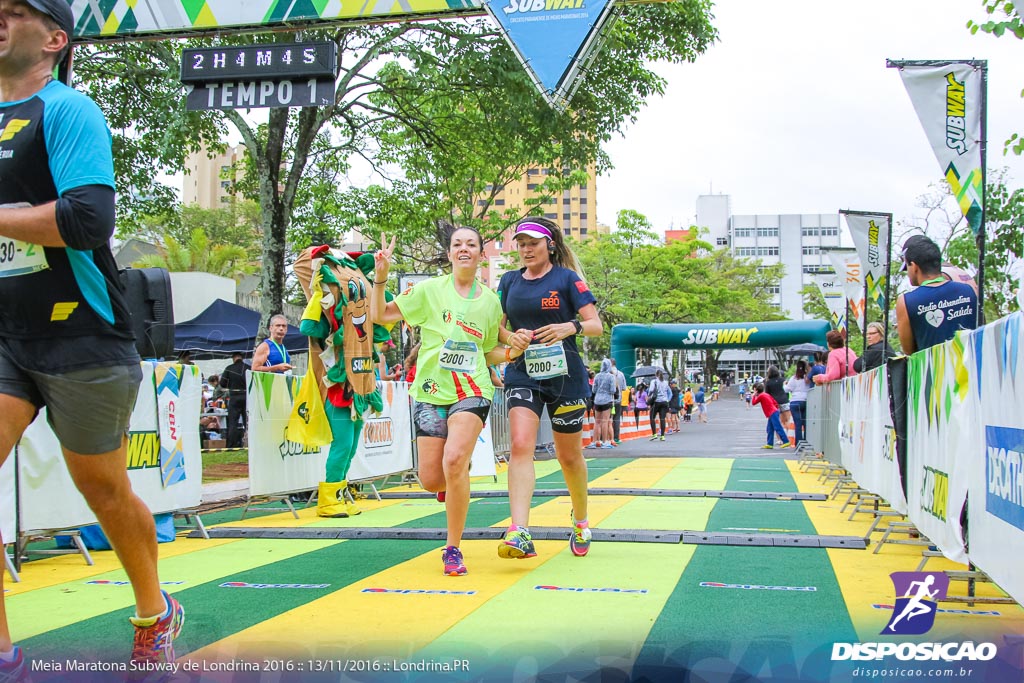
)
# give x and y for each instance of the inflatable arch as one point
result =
(629, 337)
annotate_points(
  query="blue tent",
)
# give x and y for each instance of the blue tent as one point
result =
(224, 328)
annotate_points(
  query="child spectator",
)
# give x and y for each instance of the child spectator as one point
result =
(771, 411)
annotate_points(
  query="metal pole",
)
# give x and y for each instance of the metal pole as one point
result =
(980, 237)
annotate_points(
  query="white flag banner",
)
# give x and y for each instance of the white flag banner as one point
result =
(948, 99)
(848, 269)
(871, 237)
(831, 288)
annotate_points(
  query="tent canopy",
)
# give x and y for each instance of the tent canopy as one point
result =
(224, 328)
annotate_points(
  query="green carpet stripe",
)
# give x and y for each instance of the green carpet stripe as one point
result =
(64, 604)
(680, 636)
(587, 622)
(108, 636)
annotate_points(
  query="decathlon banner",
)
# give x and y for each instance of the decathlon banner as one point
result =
(867, 438)
(278, 465)
(871, 236)
(848, 269)
(831, 287)
(48, 499)
(552, 38)
(949, 98)
(995, 360)
(940, 444)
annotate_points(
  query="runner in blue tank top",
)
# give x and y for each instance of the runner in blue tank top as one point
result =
(271, 355)
(541, 302)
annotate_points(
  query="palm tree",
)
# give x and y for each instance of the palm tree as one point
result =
(197, 255)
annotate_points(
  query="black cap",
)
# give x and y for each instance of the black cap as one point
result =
(922, 251)
(59, 11)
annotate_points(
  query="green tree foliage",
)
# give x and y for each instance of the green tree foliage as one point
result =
(1005, 19)
(636, 279)
(198, 254)
(237, 224)
(443, 107)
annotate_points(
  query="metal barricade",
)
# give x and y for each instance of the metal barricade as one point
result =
(501, 434)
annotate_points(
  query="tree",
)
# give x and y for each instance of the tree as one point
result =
(197, 254)
(1006, 19)
(431, 82)
(237, 225)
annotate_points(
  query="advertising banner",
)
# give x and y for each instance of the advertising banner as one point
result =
(44, 479)
(940, 427)
(948, 98)
(867, 438)
(831, 287)
(995, 360)
(279, 465)
(8, 508)
(849, 271)
(871, 237)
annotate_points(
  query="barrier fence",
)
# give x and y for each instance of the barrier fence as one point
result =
(961, 443)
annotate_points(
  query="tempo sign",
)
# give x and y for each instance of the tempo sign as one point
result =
(268, 62)
(251, 94)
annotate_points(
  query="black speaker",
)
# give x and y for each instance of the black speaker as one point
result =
(148, 294)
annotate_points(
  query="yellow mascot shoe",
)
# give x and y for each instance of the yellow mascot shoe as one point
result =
(330, 500)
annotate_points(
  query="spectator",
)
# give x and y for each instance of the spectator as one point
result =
(798, 386)
(771, 411)
(877, 351)
(620, 406)
(233, 379)
(702, 406)
(640, 405)
(605, 394)
(674, 406)
(657, 399)
(270, 354)
(840, 359)
(688, 402)
(776, 386)
(934, 311)
(410, 363)
(817, 367)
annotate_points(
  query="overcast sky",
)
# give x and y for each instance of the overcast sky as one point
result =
(793, 111)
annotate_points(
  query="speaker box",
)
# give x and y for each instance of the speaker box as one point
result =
(148, 294)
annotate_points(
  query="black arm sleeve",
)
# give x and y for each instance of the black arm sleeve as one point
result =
(85, 216)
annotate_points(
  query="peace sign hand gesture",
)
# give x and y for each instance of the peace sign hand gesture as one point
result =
(382, 258)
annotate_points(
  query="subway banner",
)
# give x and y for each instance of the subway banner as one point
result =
(48, 499)
(871, 237)
(994, 358)
(278, 465)
(867, 438)
(554, 39)
(949, 100)
(941, 455)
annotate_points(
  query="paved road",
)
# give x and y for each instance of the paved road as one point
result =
(733, 431)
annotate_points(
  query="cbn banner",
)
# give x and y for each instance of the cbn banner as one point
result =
(867, 439)
(940, 427)
(831, 287)
(279, 465)
(871, 237)
(948, 98)
(44, 480)
(995, 361)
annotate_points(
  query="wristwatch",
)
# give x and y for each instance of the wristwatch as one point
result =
(578, 325)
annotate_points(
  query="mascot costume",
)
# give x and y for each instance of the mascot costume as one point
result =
(342, 341)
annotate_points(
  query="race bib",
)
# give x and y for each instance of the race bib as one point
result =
(459, 356)
(20, 258)
(544, 361)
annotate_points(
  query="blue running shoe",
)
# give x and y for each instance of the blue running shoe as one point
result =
(15, 670)
(517, 544)
(579, 540)
(154, 637)
(453, 564)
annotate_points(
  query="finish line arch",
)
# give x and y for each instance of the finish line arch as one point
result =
(629, 337)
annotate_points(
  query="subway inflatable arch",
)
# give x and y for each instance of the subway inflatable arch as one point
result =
(627, 338)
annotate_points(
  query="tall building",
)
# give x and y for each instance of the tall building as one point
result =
(574, 209)
(794, 240)
(208, 184)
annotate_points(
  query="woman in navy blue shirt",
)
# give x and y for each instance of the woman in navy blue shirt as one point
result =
(548, 304)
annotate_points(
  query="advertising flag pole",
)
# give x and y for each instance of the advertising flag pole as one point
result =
(983, 148)
(888, 277)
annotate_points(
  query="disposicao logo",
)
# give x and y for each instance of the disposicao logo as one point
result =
(757, 587)
(414, 591)
(917, 595)
(572, 589)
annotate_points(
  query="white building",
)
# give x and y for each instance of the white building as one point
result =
(795, 240)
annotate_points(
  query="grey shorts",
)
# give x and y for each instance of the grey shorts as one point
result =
(432, 420)
(88, 409)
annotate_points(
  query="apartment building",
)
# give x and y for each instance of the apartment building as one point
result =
(209, 181)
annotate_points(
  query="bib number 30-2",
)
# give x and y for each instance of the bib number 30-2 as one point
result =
(20, 258)
(544, 361)
(459, 356)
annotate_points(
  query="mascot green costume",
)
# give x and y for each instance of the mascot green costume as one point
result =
(342, 352)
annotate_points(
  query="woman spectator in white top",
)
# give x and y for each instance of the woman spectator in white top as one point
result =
(658, 396)
(798, 386)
